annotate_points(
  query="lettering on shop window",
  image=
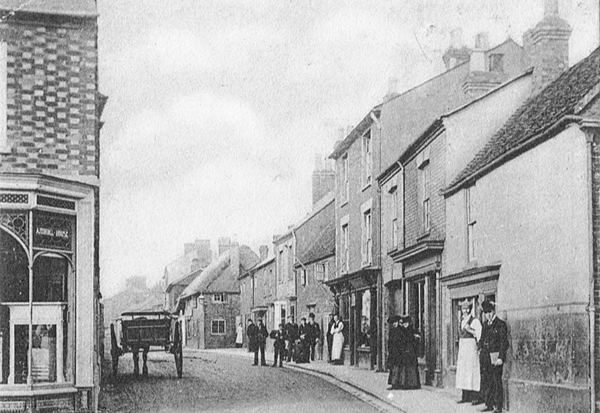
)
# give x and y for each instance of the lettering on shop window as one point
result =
(53, 231)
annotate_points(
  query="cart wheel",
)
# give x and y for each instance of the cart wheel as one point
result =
(178, 349)
(115, 351)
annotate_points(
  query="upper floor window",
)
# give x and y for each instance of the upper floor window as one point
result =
(367, 157)
(345, 184)
(424, 189)
(345, 255)
(270, 278)
(220, 298)
(321, 272)
(303, 277)
(367, 238)
(496, 63)
(280, 266)
(470, 198)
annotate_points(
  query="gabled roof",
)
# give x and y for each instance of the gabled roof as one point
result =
(323, 246)
(536, 116)
(358, 130)
(77, 8)
(268, 260)
(220, 276)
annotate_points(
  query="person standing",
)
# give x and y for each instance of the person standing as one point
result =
(314, 335)
(468, 376)
(329, 337)
(304, 333)
(252, 333)
(261, 341)
(337, 331)
(409, 367)
(394, 361)
(279, 345)
(494, 346)
(239, 338)
(291, 333)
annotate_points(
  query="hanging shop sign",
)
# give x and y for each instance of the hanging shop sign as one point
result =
(53, 231)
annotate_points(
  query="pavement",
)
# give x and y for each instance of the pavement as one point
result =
(374, 385)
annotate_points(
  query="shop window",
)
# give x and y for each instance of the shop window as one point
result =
(218, 327)
(365, 324)
(14, 271)
(417, 308)
(456, 318)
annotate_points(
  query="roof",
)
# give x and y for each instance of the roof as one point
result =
(358, 130)
(268, 260)
(536, 116)
(180, 268)
(219, 276)
(409, 115)
(76, 8)
(323, 246)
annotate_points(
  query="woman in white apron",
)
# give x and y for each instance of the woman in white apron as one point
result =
(337, 329)
(468, 377)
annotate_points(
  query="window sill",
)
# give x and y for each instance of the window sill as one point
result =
(38, 389)
(366, 264)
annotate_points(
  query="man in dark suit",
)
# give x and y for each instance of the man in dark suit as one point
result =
(291, 333)
(261, 341)
(278, 345)
(329, 337)
(252, 332)
(304, 334)
(493, 349)
(314, 335)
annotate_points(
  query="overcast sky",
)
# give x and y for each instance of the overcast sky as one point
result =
(217, 108)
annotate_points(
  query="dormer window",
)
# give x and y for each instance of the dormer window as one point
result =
(496, 63)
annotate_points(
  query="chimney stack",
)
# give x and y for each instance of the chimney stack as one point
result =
(550, 39)
(323, 179)
(457, 53)
(263, 252)
(224, 245)
(480, 79)
(392, 91)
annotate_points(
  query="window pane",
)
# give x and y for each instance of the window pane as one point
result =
(365, 330)
(50, 279)
(43, 361)
(14, 272)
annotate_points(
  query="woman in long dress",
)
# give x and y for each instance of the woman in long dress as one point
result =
(338, 340)
(394, 360)
(239, 339)
(468, 376)
(409, 368)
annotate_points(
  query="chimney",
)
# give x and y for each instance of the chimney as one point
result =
(224, 245)
(457, 53)
(323, 179)
(204, 252)
(550, 39)
(188, 247)
(195, 265)
(392, 91)
(480, 79)
(234, 259)
(263, 252)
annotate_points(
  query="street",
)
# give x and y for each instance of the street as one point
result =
(221, 383)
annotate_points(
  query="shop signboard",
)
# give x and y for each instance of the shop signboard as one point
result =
(53, 231)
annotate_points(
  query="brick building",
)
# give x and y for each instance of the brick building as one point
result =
(522, 226)
(210, 305)
(315, 264)
(50, 108)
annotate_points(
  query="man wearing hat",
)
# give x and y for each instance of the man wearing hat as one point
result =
(493, 345)
(314, 334)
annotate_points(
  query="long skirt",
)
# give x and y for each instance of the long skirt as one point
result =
(408, 376)
(468, 376)
(338, 344)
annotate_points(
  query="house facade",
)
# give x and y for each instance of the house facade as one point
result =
(50, 108)
(522, 229)
(357, 285)
(315, 265)
(210, 305)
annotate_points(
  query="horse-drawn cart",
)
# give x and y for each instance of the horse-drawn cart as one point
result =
(146, 331)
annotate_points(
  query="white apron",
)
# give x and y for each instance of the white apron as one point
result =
(468, 376)
(338, 340)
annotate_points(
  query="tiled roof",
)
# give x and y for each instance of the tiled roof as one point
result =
(538, 114)
(323, 246)
(79, 8)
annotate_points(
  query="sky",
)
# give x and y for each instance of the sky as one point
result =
(217, 108)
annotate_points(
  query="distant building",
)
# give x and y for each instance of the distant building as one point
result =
(180, 273)
(209, 307)
(50, 109)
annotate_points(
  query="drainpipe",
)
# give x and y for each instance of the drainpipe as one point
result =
(589, 130)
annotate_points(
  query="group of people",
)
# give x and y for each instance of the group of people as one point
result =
(294, 342)
(403, 351)
(481, 355)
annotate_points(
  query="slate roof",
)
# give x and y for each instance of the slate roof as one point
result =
(323, 246)
(535, 116)
(79, 8)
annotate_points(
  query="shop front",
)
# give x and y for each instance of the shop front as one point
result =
(49, 358)
(356, 300)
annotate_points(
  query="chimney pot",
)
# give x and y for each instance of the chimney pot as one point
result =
(263, 251)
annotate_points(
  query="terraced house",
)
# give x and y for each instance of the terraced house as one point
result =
(50, 108)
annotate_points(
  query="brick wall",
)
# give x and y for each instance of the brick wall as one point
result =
(227, 311)
(52, 97)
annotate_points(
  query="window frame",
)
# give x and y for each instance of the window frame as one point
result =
(367, 238)
(367, 158)
(471, 221)
(345, 248)
(345, 195)
(218, 321)
(223, 297)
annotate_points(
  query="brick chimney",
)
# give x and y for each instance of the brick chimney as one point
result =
(550, 39)
(224, 245)
(392, 91)
(480, 79)
(323, 179)
(263, 252)
(457, 53)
